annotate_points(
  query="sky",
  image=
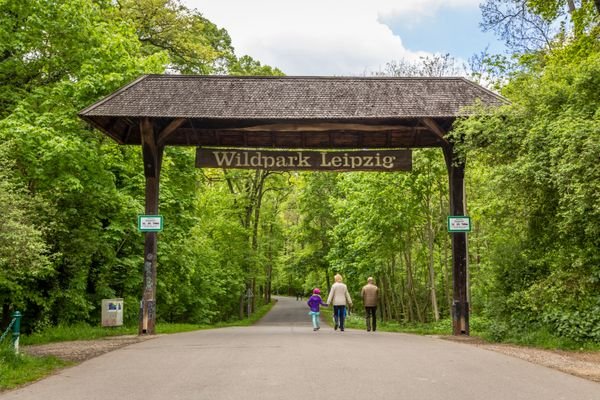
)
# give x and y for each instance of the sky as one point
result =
(348, 37)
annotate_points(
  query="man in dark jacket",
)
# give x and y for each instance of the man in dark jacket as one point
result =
(370, 296)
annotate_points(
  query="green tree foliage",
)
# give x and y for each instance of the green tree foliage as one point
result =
(85, 191)
(316, 195)
(59, 160)
(531, 25)
(535, 162)
(387, 225)
(23, 252)
(200, 273)
(194, 44)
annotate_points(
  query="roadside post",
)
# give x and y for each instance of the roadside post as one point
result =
(16, 330)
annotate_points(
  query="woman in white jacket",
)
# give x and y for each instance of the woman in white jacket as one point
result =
(339, 297)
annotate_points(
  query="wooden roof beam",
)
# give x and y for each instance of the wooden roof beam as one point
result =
(435, 128)
(321, 127)
(163, 135)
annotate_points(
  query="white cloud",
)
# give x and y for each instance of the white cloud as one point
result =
(319, 37)
(420, 8)
(414, 12)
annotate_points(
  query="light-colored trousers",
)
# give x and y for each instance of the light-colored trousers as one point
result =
(315, 318)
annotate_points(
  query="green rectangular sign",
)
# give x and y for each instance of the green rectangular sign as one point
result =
(150, 223)
(459, 224)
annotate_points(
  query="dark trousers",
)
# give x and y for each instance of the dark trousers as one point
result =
(371, 314)
(339, 314)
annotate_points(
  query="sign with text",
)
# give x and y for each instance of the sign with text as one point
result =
(459, 224)
(150, 223)
(298, 160)
(112, 312)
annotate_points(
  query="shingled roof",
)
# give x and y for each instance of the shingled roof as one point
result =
(229, 103)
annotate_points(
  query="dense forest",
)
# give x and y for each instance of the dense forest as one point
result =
(71, 196)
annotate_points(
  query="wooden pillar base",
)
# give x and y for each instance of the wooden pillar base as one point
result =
(460, 318)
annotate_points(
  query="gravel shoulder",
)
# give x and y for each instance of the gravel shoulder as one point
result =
(582, 364)
(81, 350)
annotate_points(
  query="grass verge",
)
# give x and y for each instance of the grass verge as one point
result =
(356, 321)
(542, 339)
(479, 328)
(63, 333)
(17, 369)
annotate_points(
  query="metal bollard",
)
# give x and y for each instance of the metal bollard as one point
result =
(16, 330)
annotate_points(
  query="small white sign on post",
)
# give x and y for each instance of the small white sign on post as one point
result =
(459, 224)
(150, 223)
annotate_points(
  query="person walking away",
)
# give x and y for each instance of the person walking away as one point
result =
(340, 298)
(370, 296)
(315, 302)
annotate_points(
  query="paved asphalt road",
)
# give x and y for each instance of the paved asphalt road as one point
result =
(282, 358)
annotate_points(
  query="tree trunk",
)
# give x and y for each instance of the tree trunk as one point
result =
(253, 298)
(444, 263)
(387, 292)
(257, 195)
(242, 305)
(406, 293)
(412, 294)
(396, 297)
(430, 245)
(269, 269)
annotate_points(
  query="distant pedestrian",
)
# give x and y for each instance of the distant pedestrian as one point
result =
(314, 302)
(340, 298)
(370, 296)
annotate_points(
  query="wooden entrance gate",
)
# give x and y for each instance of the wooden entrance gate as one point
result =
(290, 113)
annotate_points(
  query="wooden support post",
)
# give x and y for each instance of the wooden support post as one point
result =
(460, 305)
(152, 156)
